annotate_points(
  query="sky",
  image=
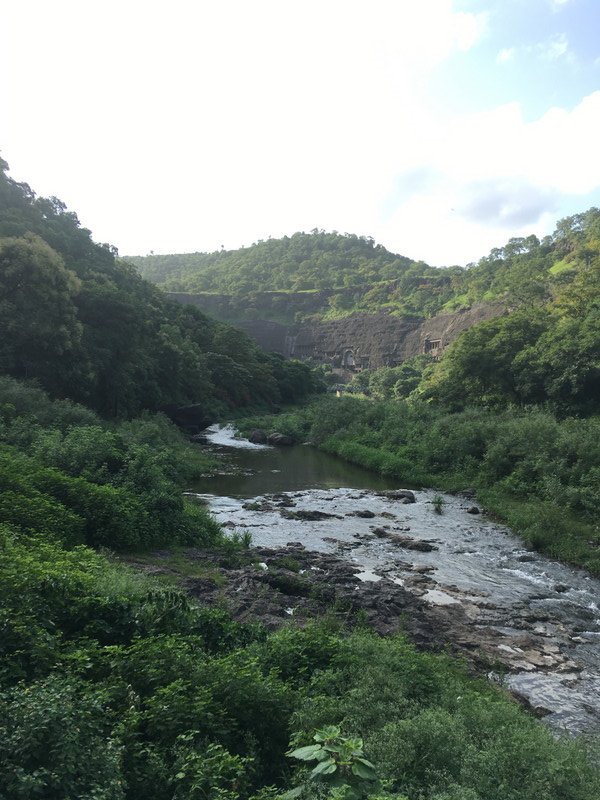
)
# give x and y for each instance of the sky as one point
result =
(441, 128)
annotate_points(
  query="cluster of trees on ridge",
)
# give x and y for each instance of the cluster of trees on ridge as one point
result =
(354, 273)
(86, 326)
(543, 350)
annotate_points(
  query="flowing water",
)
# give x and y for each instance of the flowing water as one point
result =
(542, 618)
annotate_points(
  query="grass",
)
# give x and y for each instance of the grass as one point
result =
(181, 562)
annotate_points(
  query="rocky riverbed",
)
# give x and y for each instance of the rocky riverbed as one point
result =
(432, 566)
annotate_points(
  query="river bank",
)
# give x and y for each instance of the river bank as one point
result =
(534, 472)
(454, 580)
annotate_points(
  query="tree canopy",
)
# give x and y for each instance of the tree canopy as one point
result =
(88, 327)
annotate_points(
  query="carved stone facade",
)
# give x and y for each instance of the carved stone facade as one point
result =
(359, 341)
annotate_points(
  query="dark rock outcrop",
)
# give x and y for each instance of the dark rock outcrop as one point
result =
(192, 419)
(306, 515)
(352, 343)
(280, 439)
(257, 437)
(404, 495)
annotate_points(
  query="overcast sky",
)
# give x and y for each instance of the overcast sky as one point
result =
(439, 127)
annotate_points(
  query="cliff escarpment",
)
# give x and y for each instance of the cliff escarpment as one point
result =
(354, 342)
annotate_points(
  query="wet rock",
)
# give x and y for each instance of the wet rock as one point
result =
(258, 505)
(526, 558)
(537, 710)
(403, 495)
(387, 515)
(282, 500)
(421, 545)
(363, 514)
(199, 438)
(561, 587)
(381, 533)
(306, 515)
(280, 439)
(473, 510)
(257, 436)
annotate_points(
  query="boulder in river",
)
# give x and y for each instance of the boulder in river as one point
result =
(306, 515)
(362, 513)
(473, 510)
(403, 495)
(192, 419)
(421, 545)
(257, 436)
(279, 439)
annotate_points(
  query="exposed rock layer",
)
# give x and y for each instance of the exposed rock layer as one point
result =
(354, 342)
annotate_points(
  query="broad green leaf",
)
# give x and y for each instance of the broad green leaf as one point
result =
(329, 732)
(325, 767)
(307, 753)
(365, 762)
(362, 771)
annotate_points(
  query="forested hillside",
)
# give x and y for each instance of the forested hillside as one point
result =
(86, 326)
(355, 274)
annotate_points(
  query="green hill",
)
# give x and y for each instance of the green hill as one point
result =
(350, 273)
(88, 327)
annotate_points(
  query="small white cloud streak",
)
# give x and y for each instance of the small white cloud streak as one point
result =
(505, 55)
(554, 48)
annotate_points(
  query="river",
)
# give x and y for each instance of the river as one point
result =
(539, 619)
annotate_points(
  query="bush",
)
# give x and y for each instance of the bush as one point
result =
(57, 740)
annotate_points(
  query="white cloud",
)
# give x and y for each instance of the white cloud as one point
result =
(554, 48)
(556, 5)
(497, 175)
(506, 54)
(188, 126)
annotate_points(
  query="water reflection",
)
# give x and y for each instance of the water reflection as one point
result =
(255, 470)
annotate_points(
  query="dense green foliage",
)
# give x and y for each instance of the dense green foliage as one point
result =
(88, 327)
(540, 474)
(333, 274)
(64, 473)
(115, 687)
(118, 687)
(318, 260)
(328, 273)
(538, 354)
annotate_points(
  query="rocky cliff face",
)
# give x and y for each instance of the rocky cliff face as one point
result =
(359, 341)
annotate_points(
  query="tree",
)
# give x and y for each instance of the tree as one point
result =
(39, 330)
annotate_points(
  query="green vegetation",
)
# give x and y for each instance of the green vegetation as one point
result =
(317, 273)
(537, 472)
(87, 327)
(321, 274)
(64, 473)
(115, 686)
